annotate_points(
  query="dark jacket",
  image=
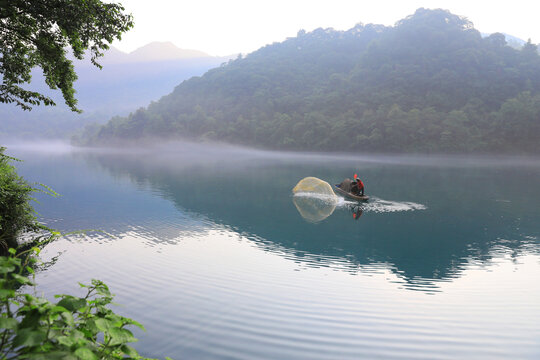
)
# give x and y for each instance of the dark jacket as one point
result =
(346, 185)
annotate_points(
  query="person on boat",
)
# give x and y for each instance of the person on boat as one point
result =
(357, 187)
(346, 185)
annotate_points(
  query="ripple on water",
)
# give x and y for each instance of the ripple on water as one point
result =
(216, 293)
(198, 301)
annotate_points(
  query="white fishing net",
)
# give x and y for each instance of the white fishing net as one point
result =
(314, 199)
(313, 185)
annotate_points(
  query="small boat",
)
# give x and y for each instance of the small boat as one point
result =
(350, 195)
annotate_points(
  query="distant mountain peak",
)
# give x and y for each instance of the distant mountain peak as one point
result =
(154, 51)
(164, 51)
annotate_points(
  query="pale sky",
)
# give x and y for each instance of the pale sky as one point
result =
(224, 27)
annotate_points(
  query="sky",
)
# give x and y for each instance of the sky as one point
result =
(221, 28)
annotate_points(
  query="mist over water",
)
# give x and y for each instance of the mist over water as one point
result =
(207, 246)
(201, 150)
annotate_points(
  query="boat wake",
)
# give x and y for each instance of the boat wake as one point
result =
(375, 204)
(386, 206)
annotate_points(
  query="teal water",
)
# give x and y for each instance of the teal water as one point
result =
(208, 248)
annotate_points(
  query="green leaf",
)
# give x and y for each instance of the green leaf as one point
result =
(12, 251)
(29, 337)
(66, 340)
(101, 288)
(22, 279)
(89, 332)
(121, 336)
(85, 354)
(31, 319)
(129, 351)
(8, 323)
(77, 335)
(136, 323)
(55, 332)
(90, 328)
(58, 309)
(68, 318)
(6, 294)
(72, 303)
(103, 324)
(6, 268)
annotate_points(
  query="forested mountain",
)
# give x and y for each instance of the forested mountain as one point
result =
(431, 83)
(126, 82)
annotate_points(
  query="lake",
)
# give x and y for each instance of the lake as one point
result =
(208, 248)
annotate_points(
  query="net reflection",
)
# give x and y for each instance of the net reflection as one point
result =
(314, 208)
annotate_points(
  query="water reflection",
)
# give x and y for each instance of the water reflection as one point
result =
(428, 225)
(357, 212)
(314, 208)
(319, 290)
(462, 215)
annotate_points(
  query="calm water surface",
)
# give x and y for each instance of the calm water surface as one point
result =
(211, 252)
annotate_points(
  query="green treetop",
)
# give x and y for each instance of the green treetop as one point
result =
(38, 33)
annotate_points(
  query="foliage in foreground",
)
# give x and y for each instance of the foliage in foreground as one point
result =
(33, 327)
(16, 213)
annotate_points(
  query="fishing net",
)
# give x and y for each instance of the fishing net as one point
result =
(314, 199)
(313, 185)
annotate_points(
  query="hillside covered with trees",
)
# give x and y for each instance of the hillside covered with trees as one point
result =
(431, 83)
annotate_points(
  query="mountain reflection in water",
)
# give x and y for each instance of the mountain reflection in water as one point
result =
(439, 219)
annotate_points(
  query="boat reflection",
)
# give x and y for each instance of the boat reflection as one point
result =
(315, 209)
(357, 211)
